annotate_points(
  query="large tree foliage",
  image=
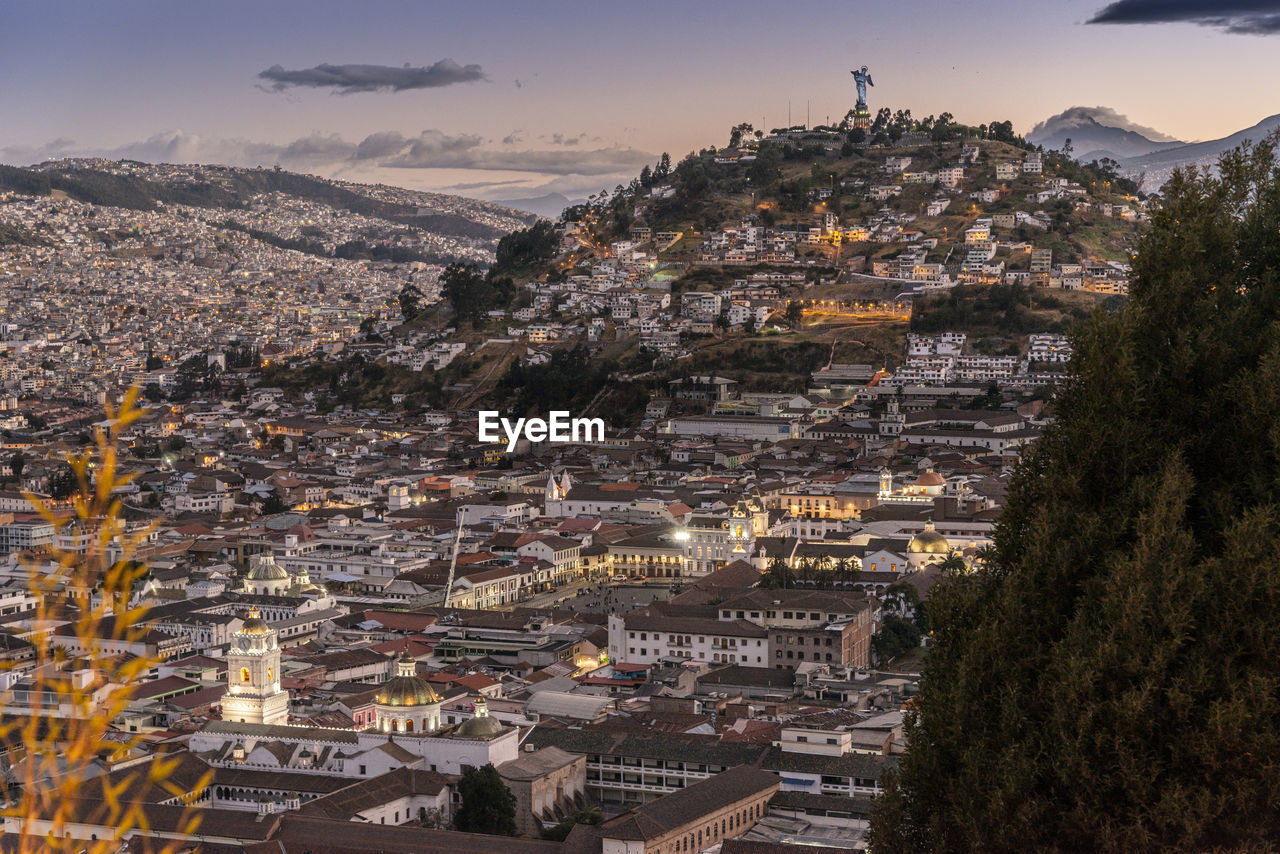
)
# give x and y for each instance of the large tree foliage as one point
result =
(487, 804)
(1110, 680)
(523, 250)
(471, 293)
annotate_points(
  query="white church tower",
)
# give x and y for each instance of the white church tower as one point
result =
(253, 693)
(555, 493)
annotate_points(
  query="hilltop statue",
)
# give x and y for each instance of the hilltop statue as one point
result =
(863, 78)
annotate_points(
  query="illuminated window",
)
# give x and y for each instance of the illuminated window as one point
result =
(244, 674)
(270, 673)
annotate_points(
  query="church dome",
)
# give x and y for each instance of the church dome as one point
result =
(481, 726)
(931, 478)
(929, 542)
(485, 727)
(254, 624)
(406, 688)
(268, 570)
(406, 691)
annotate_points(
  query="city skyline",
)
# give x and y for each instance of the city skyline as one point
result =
(574, 101)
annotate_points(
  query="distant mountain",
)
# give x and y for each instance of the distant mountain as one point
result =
(549, 205)
(1168, 158)
(1097, 132)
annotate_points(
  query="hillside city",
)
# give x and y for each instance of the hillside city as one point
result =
(699, 634)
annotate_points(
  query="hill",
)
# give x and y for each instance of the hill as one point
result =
(1158, 164)
(444, 227)
(769, 259)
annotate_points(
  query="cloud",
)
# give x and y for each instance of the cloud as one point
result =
(60, 147)
(1103, 116)
(564, 139)
(514, 137)
(382, 144)
(479, 185)
(427, 153)
(430, 149)
(348, 79)
(1253, 17)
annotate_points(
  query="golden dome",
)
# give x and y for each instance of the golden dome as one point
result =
(254, 624)
(406, 688)
(929, 542)
(407, 691)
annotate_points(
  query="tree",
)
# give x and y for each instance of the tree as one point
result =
(17, 464)
(1104, 679)
(273, 504)
(487, 804)
(62, 484)
(897, 636)
(794, 314)
(522, 250)
(464, 286)
(778, 575)
(664, 167)
(410, 299)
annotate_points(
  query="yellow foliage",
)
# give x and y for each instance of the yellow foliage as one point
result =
(60, 739)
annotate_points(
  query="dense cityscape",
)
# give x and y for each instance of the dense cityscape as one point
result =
(879, 482)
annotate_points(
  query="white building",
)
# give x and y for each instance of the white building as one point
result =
(253, 676)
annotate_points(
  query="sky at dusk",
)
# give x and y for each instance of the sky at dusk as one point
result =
(504, 99)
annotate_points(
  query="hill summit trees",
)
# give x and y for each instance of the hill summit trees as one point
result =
(1110, 680)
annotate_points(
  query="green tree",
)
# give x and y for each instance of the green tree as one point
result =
(794, 314)
(523, 250)
(17, 464)
(410, 299)
(664, 167)
(273, 504)
(897, 636)
(487, 804)
(778, 575)
(1107, 678)
(62, 483)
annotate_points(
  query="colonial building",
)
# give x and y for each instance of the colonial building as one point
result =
(253, 676)
(407, 703)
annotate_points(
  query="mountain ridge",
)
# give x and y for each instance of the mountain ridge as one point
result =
(1096, 139)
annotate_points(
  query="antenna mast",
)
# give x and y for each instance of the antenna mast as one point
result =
(453, 565)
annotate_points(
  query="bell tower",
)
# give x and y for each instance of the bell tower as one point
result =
(253, 676)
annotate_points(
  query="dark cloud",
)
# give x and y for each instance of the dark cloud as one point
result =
(382, 144)
(348, 79)
(512, 138)
(1104, 116)
(1256, 17)
(565, 139)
